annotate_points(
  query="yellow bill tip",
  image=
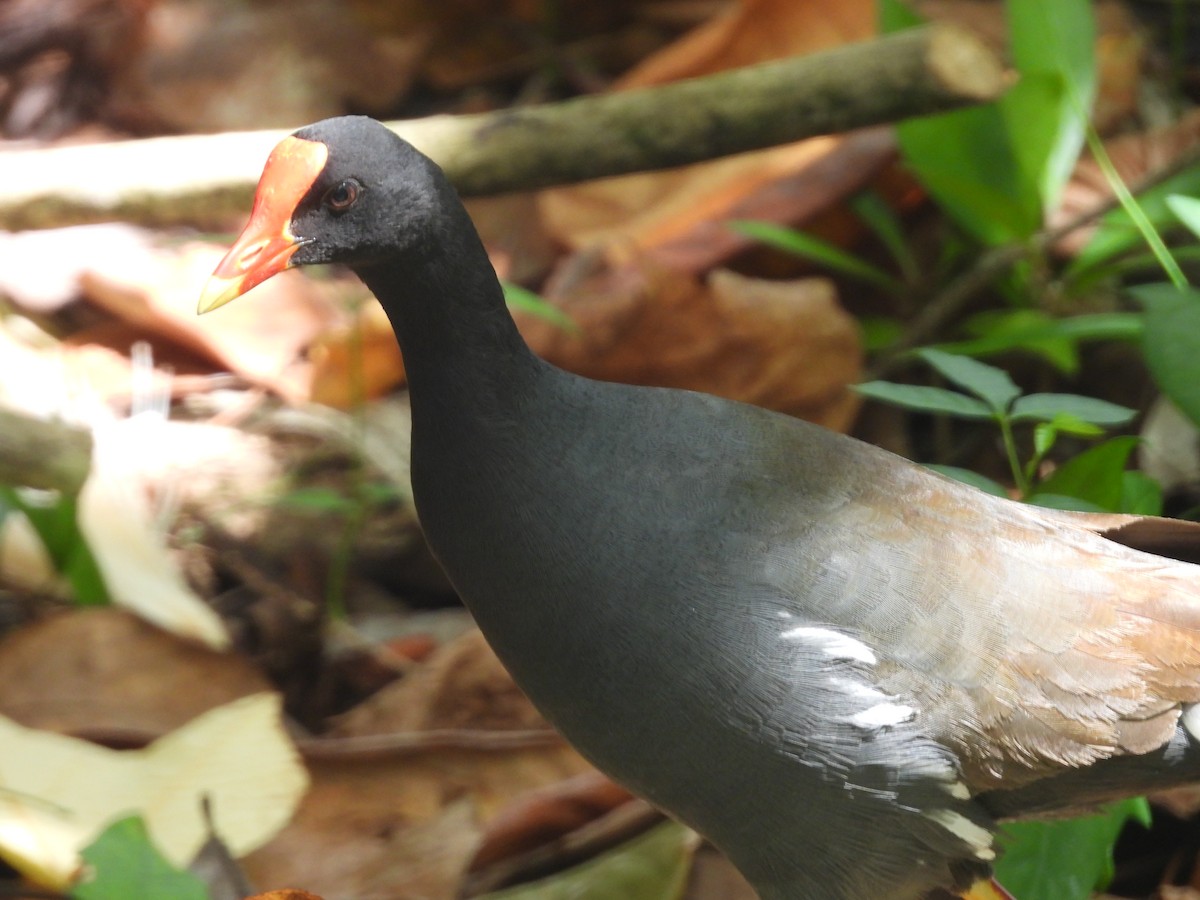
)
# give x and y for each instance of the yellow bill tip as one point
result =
(217, 292)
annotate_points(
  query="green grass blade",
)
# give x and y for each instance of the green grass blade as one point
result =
(527, 301)
(816, 250)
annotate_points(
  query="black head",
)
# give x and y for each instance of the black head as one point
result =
(345, 190)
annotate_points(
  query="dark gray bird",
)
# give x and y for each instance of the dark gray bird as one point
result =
(839, 667)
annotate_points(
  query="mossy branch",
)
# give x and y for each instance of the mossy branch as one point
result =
(208, 179)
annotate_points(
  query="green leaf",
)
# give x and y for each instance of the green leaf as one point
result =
(1186, 210)
(974, 479)
(318, 499)
(1038, 109)
(1062, 860)
(1140, 494)
(1044, 436)
(996, 168)
(965, 160)
(816, 250)
(879, 332)
(986, 382)
(880, 218)
(653, 866)
(1096, 475)
(926, 399)
(124, 863)
(1065, 422)
(1171, 343)
(379, 493)
(1055, 340)
(1023, 329)
(895, 15)
(527, 301)
(83, 574)
(1053, 41)
(1101, 327)
(1046, 407)
(54, 518)
(1062, 501)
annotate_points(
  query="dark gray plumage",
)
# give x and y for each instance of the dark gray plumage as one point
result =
(836, 665)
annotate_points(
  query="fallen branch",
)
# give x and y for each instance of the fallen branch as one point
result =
(207, 179)
(43, 454)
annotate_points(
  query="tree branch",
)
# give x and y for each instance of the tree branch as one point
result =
(206, 179)
(43, 454)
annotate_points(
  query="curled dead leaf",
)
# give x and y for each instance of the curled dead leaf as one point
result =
(785, 345)
(104, 672)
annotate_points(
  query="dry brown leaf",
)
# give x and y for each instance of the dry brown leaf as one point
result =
(406, 822)
(357, 834)
(151, 291)
(218, 66)
(785, 345)
(1181, 802)
(41, 270)
(848, 164)
(105, 672)
(543, 816)
(649, 209)
(517, 242)
(753, 31)
(1121, 49)
(157, 291)
(357, 362)
(461, 685)
(635, 212)
(486, 40)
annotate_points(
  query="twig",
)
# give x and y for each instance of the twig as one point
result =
(383, 746)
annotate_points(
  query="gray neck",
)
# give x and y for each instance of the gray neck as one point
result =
(462, 352)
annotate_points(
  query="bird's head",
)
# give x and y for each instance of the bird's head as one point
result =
(345, 190)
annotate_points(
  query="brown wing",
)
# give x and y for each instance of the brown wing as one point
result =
(1031, 639)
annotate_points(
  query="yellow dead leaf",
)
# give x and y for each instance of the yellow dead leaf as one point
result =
(57, 793)
(116, 519)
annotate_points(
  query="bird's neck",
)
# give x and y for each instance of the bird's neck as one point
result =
(462, 350)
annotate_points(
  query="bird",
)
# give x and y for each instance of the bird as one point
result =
(841, 668)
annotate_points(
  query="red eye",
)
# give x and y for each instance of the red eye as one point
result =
(343, 195)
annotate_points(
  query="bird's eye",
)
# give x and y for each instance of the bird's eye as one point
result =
(343, 195)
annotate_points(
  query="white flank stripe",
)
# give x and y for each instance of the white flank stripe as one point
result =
(978, 838)
(833, 643)
(958, 791)
(883, 714)
(1191, 720)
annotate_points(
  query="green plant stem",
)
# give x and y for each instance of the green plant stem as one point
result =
(339, 567)
(1014, 460)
